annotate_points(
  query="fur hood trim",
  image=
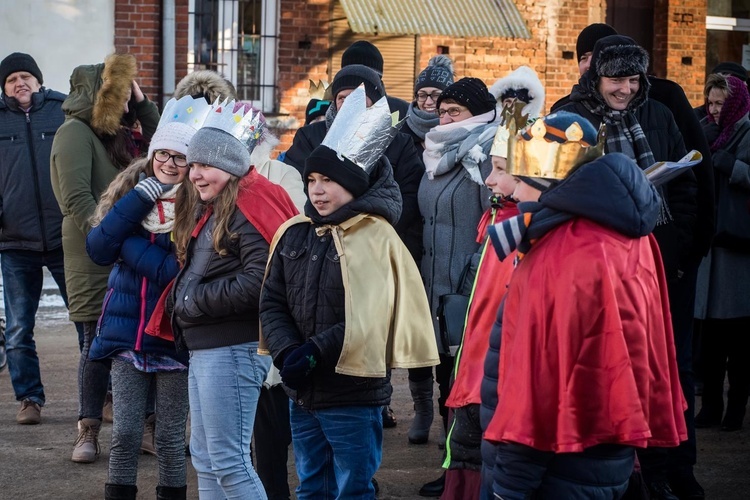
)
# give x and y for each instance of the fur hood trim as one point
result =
(205, 83)
(119, 72)
(522, 78)
(263, 149)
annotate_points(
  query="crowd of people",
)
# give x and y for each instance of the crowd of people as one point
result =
(566, 306)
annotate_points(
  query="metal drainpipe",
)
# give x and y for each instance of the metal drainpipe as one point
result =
(168, 49)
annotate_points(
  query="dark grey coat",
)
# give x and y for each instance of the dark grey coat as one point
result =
(29, 214)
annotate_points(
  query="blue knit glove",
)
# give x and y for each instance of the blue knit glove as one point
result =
(151, 188)
(299, 364)
(723, 161)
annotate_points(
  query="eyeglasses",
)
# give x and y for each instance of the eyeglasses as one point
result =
(450, 111)
(163, 157)
(422, 96)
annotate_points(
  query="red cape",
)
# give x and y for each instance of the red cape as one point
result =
(587, 353)
(489, 289)
(265, 205)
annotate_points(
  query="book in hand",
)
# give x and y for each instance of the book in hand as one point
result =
(664, 171)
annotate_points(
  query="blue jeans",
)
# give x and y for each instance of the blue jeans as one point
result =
(22, 287)
(224, 386)
(336, 451)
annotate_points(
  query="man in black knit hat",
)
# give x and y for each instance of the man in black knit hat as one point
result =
(30, 235)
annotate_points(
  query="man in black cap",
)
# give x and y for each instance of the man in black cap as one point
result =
(30, 233)
(367, 54)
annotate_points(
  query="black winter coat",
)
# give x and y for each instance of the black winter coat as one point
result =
(303, 299)
(214, 302)
(676, 238)
(407, 171)
(29, 214)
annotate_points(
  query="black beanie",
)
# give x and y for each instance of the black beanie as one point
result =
(365, 53)
(438, 74)
(316, 108)
(350, 77)
(590, 35)
(731, 68)
(326, 161)
(19, 61)
(472, 93)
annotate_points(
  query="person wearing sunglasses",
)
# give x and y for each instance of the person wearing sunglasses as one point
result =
(430, 83)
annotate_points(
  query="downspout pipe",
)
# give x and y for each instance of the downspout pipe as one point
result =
(169, 28)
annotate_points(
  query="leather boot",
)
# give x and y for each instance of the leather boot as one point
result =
(120, 491)
(148, 443)
(87, 444)
(433, 488)
(424, 412)
(171, 492)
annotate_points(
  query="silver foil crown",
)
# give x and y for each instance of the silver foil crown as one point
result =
(238, 120)
(359, 133)
(186, 110)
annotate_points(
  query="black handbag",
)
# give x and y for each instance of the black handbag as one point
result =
(451, 313)
(733, 209)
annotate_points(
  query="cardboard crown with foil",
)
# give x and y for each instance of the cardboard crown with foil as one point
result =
(362, 134)
(551, 146)
(238, 120)
(186, 110)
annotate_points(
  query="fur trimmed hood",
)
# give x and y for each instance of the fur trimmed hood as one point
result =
(522, 78)
(206, 83)
(98, 92)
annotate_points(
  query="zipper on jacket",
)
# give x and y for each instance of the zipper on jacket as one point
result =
(104, 309)
(144, 305)
(39, 205)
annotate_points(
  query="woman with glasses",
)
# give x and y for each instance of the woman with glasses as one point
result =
(422, 115)
(132, 229)
(452, 198)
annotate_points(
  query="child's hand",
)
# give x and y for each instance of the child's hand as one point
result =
(299, 364)
(151, 188)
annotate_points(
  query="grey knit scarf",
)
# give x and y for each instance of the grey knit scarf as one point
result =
(420, 122)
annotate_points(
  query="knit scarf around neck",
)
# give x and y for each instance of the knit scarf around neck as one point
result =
(161, 217)
(466, 143)
(420, 122)
(736, 106)
(522, 231)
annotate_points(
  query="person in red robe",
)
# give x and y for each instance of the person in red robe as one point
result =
(587, 369)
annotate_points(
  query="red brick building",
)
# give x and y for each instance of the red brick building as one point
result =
(270, 48)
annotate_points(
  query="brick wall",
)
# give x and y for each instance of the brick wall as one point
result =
(138, 32)
(680, 44)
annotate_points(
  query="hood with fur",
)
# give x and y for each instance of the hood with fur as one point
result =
(206, 83)
(522, 78)
(98, 92)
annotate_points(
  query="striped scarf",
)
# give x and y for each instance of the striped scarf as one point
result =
(522, 231)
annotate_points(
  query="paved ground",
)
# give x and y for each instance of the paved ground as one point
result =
(35, 460)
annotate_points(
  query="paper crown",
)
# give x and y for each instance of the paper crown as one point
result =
(359, 133)
(512, 111)
(551, 146)
(240, 121)
(187, 110)
(318, 90)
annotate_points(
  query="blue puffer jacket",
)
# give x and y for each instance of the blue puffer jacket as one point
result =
(30, 217)
(144, 263)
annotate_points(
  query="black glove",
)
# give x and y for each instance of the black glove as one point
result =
(151, 188)
(723, 161)
(298, 364)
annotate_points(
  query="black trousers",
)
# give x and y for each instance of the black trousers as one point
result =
(726, 350)
(271, 437)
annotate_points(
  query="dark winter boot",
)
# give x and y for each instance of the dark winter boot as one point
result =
(120, 491)
(421, 394)
(171, 492)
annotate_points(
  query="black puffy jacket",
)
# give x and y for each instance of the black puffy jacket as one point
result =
(214, 302)
(303, 299)
(408, 170)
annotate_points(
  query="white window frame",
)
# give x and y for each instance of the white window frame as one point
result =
(228, 50)
(727, 23)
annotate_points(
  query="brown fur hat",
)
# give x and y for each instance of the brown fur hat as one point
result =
(209, 84)
(119, 72)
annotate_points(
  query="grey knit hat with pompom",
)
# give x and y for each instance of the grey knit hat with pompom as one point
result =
(438, 74)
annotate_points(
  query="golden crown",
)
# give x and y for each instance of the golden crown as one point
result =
(541, 150)
(318, 90)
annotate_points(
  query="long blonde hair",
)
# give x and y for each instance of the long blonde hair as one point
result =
(120, 186)
(192, 208)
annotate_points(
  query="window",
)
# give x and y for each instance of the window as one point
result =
(728, 33)
(237, 38)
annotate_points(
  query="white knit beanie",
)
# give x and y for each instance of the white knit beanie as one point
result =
(174, 135)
